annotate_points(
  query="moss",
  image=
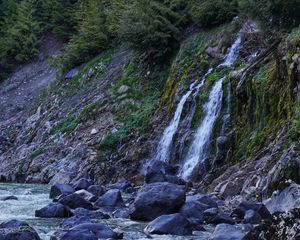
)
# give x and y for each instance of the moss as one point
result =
(66, 126)
(36, 153)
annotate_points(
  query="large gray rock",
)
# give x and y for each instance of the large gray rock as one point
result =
(156, 199)
(215, 216)
(111, 198)
(54, 210)
(227, 232)
(96, 190)
(17, 230)
(75, 201)
(174, 224)
(82, 183)
(91, 231)
(59, 189)
(194, 210)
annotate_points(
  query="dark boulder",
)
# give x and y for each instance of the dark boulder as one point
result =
(59, 189)
(227, 232)
(79, 235)
(17, 230)
(111, 198)
(174, 224)
(75, 201)
(74, 221)
(97, 214)
(215, 216)
(162, 172)
(54, 210)
(82, 183)
(204, 199)
(193, 210)
(252, 217)
(260, 208)
(99, 231)
(96, 190)
(156, 199)
(6, 198)
(123, 185)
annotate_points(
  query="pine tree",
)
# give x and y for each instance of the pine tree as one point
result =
(152, 26)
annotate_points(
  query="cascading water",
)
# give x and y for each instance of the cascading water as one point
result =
(163, 151)
(201, 142)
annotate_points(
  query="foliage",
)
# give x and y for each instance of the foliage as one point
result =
(213, 12)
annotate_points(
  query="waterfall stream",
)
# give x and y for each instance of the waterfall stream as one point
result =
(198, 149)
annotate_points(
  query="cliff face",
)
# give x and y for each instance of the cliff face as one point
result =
(105, 118)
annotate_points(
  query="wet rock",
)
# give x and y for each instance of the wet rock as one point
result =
(174, 224)
(75, 201)
(96, 190)
(156, 199)
(281, 226)
(215, 216)
(227, 232)
(17, 230)
(193, 210)
(82, 183)
(91, 231)
(87, 195)
(123, 89)
(161, 172)
(54, 210)
(203, 198)
(123, 185)
(252, 217)
(121, 213)
(8, 198)
(72, 73)
(257, 207)
(59, 189)
(111, 198)
(286, 200)
(97, 214)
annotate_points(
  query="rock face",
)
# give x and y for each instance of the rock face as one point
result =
(59, 189)
(54, 210)
(75, 201)
(156, 199)
(174, 224)
(17, 230)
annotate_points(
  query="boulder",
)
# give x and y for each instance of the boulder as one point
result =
(96, 190)
(174, 224)
(215, 216)
(227, 232)
(17, 230)
(111, 198)
(6, 198)
(75, 201)
(123, 185)
(97, 214)
(204, 199)
(252, 217)
(91, 231)
(260, 208)
(156, 199)
(193, 210)
(54, 210)
(162, 172)
(82, 183)
(87, 195)
(59, 189)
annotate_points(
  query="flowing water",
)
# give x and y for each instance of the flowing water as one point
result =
(32, 197)
(198, 150)
(164, 146)
(202, 137)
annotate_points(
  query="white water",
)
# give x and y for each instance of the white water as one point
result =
(197, 152)
(163, 151)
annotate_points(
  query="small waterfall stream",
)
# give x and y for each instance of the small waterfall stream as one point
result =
(200, 144)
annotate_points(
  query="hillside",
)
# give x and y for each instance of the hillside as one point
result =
(189, 112)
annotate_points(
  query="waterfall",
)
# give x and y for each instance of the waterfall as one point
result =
(198, 150)
(163, 151)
